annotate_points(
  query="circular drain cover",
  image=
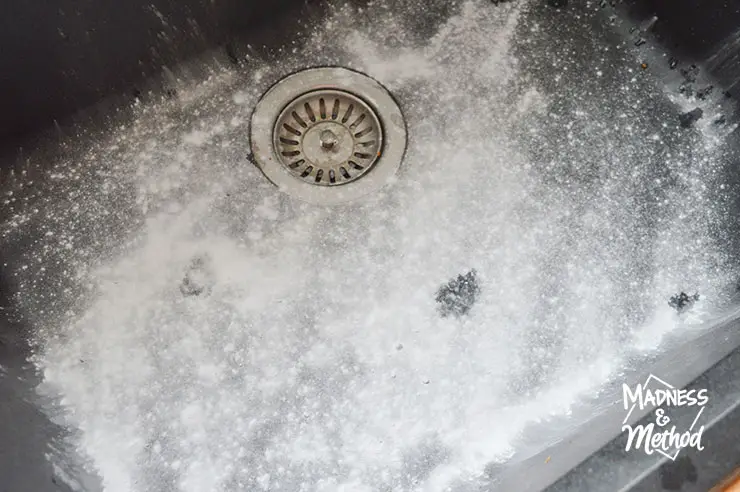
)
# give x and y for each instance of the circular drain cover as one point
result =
(328, 135)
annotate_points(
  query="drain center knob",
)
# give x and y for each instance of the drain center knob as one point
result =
(328, 139)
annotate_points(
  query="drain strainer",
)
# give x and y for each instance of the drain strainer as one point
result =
(328, 135)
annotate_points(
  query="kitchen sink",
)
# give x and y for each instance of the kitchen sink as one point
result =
(367, 245)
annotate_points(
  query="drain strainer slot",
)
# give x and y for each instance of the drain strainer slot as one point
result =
(328, 135)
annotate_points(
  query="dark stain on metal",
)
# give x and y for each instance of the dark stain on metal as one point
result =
(683, 302)
(458, 296)
(674, 474)
(688, 119)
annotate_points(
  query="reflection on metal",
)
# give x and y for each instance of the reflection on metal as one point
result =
(328, 135)
(729, 484)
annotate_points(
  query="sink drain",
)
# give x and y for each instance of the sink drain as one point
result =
(328, 135)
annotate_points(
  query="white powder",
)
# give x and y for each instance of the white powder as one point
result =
(317, 359)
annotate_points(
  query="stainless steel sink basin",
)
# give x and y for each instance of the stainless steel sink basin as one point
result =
(174, 321)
